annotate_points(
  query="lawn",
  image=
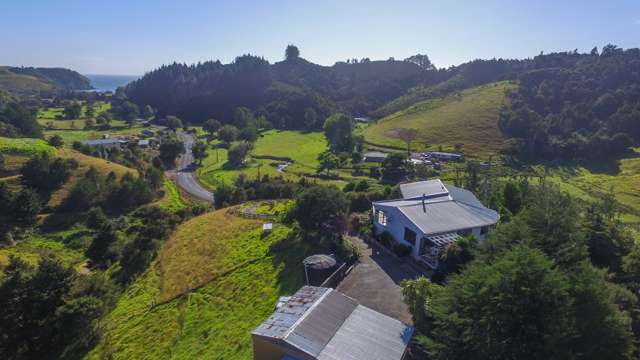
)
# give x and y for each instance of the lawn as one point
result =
(69, 136)
(469, 118)
(589, 185)
(247, 273)
(272, 148)
(25, 146)
(50, 113)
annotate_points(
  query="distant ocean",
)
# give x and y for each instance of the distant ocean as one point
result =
(110, 82)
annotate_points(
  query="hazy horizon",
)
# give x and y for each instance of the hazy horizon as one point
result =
(124, 38)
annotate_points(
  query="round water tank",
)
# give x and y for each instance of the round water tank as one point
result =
(318, 268)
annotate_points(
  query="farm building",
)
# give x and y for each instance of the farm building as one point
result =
(443, 155)
(106, 143)
(431, 215)
(321, 323)
(374, 156)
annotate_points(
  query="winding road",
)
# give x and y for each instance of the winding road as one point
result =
(184, 174)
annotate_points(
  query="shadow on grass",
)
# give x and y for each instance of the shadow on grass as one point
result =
(288, 255)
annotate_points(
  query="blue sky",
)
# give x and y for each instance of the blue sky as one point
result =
(132, 37)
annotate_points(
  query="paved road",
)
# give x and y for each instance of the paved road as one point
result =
(184, 174)
(375, 282)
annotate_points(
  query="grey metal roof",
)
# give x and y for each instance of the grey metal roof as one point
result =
(326, 324)
(448, 216)
(429, 188)
(464, 196)
(313, 333)
(368, 334)
(376, 154)
(103, 142)
(286, 316)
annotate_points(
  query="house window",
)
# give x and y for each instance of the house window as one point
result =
(410, 236)
(382, 218)
(484, 230)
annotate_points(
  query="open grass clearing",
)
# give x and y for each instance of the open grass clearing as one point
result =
(274, 147)
(25, 146)
(199, 251)
(469, 118)
(248, 273)
(80, 134)
(590, 185)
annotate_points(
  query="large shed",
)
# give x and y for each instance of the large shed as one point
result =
(323, 324)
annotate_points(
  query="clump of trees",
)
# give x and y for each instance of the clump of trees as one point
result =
(18, 119)
(45, 174)
(552, 282)
(94, 189)
(244, 189)
(558, 113)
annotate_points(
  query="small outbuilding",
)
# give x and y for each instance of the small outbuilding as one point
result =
(375, 156)
(324, 324)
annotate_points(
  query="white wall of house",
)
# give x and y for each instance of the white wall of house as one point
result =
(396, 224)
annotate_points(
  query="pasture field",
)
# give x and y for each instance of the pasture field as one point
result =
(236, 277)
(272, 148)
(590, 185)
(70, 135)
(50, 113)
(25, 146)
(469, 118)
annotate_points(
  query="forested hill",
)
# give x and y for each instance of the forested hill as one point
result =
(576, 106)
(34, 81)
(283, 92)
(568, 105)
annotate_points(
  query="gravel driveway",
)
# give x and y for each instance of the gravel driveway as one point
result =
(375, 282)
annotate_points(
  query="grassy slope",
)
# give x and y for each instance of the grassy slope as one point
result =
(588, 185)
(23, 84)
(34, 246)
(171, 201)
(85, 162)
(215, 320)
(186, 261)
(25, 146)
(470, 118)
(302, 148)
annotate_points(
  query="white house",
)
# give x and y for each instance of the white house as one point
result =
(431, 215)
(108, 143)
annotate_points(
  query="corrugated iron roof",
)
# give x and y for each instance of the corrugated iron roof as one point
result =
(448, 216)
(328, 325)
(443, 212)
(368, 334)
(429, 188)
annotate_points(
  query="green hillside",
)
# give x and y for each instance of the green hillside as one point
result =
(32, 81)
(469, 118)
(230, 276)
(22, 83)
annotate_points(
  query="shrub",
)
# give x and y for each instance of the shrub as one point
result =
(401, 250)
